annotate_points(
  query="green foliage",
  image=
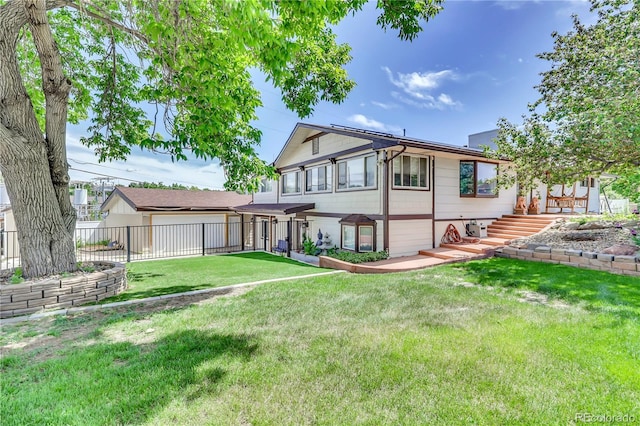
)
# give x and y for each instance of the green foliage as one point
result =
(590, 108)
(190, 61)
(309, 246)
(351, 257)
(628, 185)
(160, 185)
(17, 277)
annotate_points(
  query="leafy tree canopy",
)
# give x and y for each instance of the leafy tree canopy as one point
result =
(160, 185)
(190, 61)
(586, 120)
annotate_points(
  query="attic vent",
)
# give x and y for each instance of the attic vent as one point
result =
(315, 146)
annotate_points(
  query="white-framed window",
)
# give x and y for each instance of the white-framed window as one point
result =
(410, 171)
(315, 146)
(266, 185)
(318, 179)
(291, 183)
(365, 238)
(349, 237)
(357, 173)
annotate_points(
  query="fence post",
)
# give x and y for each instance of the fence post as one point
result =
(289, 239)
(203, 239)
(242, 232)
(128, 243)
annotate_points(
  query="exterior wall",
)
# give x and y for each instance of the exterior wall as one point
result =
(119, 206)
(188, 237)
(407, 237)
(450, 205)
(369, 201)
(300, 152)
(10, 243)
(267, 197)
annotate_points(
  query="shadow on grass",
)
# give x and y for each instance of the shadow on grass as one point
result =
(258, 255)
(601, 291)
(124, 382)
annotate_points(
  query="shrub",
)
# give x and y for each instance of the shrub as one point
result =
(351, 257)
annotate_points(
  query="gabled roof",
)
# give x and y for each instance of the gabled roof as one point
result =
(377, 140)
(146, 199)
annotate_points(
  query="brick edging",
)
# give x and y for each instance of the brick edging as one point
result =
(63, 292)
(626, 265)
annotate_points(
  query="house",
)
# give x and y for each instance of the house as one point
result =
(374, 191)
(177, 217)
(576, 197)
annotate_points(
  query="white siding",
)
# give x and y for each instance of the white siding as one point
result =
(450, 205)
(168, 238)
(407, 237)
(301, 152)
(120, 206)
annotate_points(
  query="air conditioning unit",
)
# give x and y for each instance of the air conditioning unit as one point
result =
(478, 231)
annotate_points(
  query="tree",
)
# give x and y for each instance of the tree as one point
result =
(586, 120)
(188, 60)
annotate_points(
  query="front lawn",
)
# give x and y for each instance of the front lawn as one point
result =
(169, 276)
(467, 343)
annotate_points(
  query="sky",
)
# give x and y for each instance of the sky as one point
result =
(474, 63)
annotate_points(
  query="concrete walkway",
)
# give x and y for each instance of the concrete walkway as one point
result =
(207, 291)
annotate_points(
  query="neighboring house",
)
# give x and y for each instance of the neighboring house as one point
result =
(373, 191)
(577, 197)
(182, 209)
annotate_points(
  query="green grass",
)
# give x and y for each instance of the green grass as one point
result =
(169, 276)
(448, 345)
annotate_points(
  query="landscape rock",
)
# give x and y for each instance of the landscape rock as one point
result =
(621, 250)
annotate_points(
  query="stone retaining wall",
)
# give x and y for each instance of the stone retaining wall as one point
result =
(58, 293)
(627, 265)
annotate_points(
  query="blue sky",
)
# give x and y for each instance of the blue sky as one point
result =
(474, 63)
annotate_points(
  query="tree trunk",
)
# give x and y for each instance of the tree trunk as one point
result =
(34, 166)
(46, 245)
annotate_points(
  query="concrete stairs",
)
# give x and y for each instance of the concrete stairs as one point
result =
(499, 234)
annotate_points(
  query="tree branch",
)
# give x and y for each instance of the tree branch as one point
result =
(82, 8)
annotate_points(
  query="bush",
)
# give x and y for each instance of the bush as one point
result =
(351, 257)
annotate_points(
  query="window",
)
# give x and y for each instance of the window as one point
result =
(315, 146)
(410, 172)
(357, 173)
(478, 179)
(365, 238)
(291, 183)
(358, 233)
(349, 237)
(266, 185)
(588, 182)
(318, 179)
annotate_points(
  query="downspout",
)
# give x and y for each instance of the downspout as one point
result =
(433, 201)
(385, 193)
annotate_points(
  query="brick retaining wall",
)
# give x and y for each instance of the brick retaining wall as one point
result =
(627, 265)
(59, 293)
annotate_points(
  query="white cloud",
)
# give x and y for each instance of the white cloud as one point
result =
(443, 101)
(384, 105)
(369, 123)
(418, 88)
(142, 167)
